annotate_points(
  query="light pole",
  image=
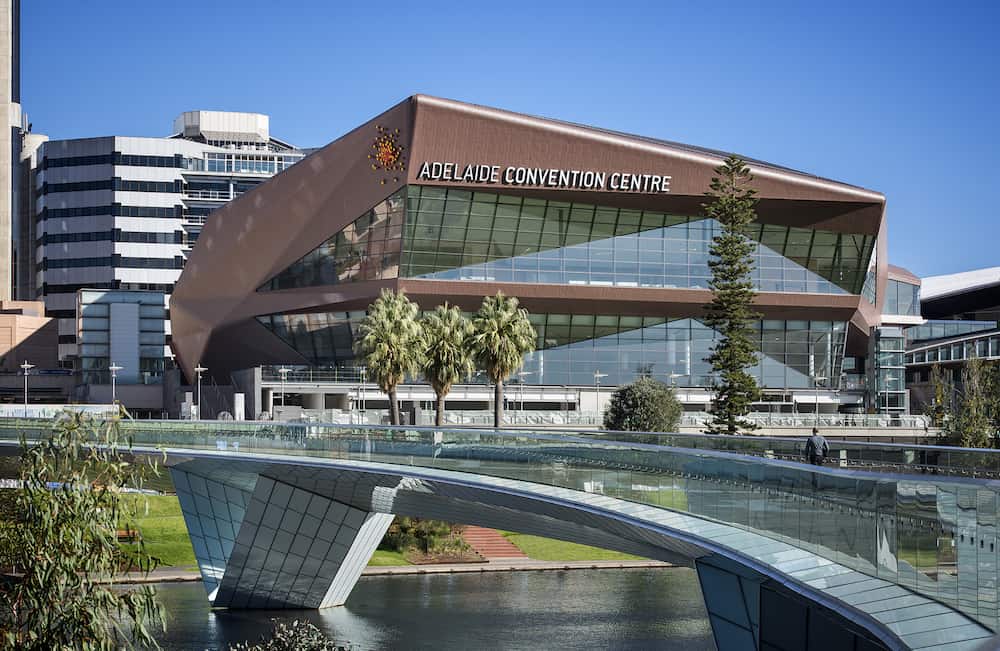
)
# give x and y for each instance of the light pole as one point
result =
(114, 368)
(816, 380)
(283, 372)
(27, 367)
(520, 375)
(199, 369)
(597, 387)
(364, 373)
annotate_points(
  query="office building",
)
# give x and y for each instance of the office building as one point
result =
(962, 312)
(12, 131)
(117, 213)
(600, 234)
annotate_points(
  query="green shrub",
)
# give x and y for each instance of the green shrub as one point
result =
(424, 535)
(646, 405)
(297, 636)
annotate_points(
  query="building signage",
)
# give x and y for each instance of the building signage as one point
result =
(538, 177)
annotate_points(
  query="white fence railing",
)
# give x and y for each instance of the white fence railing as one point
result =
(555, 418)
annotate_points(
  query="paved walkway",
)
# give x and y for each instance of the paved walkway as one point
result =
(178, 574)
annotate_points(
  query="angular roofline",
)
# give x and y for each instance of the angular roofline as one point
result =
(904, 275)
(700, 154)
(942, 286)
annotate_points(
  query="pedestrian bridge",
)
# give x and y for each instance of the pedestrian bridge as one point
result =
(893, 547)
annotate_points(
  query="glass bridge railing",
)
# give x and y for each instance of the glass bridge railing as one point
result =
(933, 534)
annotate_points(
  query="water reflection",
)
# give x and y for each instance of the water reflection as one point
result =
(589, 609)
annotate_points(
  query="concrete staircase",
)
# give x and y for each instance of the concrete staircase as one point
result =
(490, 544)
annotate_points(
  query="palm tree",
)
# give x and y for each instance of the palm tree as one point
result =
(502, 336)
(391, 341)
(447, 358)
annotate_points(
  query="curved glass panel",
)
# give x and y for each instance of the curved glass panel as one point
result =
(462, 235)
(322, 337)
(367, 249)
(571, 348)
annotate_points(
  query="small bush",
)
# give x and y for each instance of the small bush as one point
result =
(646, 405)
(427, 536)
(297, 636)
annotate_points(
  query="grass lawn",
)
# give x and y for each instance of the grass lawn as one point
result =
(162, 526)
(546, 549)
(385, 557)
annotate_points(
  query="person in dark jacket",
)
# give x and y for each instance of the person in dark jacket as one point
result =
(817, 448)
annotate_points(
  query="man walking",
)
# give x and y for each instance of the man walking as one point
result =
(817, 448)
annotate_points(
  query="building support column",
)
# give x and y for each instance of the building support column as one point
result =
(277, 547)
(267, 402)
(213, 513)
(751, 612)
(298, 549)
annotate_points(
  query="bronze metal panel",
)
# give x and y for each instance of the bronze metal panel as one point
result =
(262, 232)
(450, 131)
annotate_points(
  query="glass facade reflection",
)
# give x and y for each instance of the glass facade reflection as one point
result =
(890, 372)
(674, 351)
(462, 235)
(901, 298)
(571, 348)
(367, 249)
(445, 233)
(941, 328)
(323, 338)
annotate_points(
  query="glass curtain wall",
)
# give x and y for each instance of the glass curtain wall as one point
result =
(366, 249)
(901, 298)
(462, 235)
(571, 348)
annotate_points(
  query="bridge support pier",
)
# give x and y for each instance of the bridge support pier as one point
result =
(750, 612)
(279, 546)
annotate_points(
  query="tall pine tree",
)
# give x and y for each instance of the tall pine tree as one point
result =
(972, 423)
(730, 313)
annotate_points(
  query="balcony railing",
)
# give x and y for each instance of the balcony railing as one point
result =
(208, 194)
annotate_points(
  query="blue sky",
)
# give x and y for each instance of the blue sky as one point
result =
(897, 97)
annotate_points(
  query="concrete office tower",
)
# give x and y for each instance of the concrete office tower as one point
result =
(121, 213)
(25, 226)
(10, 136)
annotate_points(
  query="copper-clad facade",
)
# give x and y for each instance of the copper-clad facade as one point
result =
(612, 267)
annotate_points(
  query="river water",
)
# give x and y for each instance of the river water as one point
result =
(576, 609)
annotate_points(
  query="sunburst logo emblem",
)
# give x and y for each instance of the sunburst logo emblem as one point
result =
(387, 153)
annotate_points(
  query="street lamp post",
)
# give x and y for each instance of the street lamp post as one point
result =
(364, 373)
(816, 380)
(521, 375)
(597, 387)
(283, 372)
(114, 368)
(199, 369)
(26, 367)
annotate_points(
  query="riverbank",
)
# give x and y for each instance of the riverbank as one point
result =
(180, 575)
